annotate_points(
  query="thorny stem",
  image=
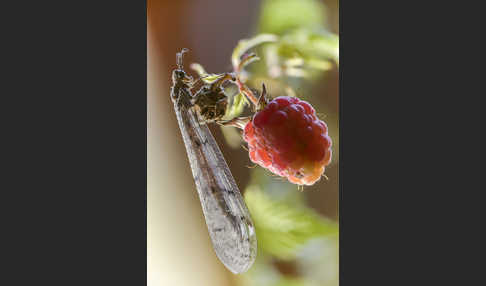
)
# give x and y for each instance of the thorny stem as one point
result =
(238, 67)
(246, 91)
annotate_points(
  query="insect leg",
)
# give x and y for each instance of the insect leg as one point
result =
(219, 82)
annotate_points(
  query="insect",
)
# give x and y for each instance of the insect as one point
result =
(228, 220)
(210, 101)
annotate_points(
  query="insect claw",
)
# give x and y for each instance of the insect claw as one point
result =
(239, 122)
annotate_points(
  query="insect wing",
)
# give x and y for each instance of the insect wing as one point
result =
(227, 217)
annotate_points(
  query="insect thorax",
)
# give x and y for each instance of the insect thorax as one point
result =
(211, 103)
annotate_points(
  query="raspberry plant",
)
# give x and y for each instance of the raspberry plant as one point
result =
(285, 136)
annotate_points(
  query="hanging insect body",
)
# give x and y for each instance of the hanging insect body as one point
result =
(227, 217)
(210, 101)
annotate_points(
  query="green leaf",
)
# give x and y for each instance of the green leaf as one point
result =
(211, 78)
(236, 108)
(319, 64)
(205, 77)
(300, 54)
(245, 45)
(247, 60)
(280, 16)
(310, 45)
(282, 228)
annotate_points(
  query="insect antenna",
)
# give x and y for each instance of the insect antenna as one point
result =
(179, 58)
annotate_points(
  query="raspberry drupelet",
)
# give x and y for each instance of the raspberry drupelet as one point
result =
(288, 139)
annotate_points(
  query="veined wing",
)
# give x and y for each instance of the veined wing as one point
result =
(227, 217)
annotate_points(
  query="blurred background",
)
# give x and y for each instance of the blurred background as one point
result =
(297, 231)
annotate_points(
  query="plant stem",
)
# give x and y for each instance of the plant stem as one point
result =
(246, 91)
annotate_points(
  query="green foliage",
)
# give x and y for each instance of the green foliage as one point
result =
(236, 108)
(311, 45)
(205, 77)
(284, 228)
(294, 43)
(231, 135)
(245, 45)
(280, 16)
(305, 48)
(302, 53)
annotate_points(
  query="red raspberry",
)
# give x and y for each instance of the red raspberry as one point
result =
(288, 139)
